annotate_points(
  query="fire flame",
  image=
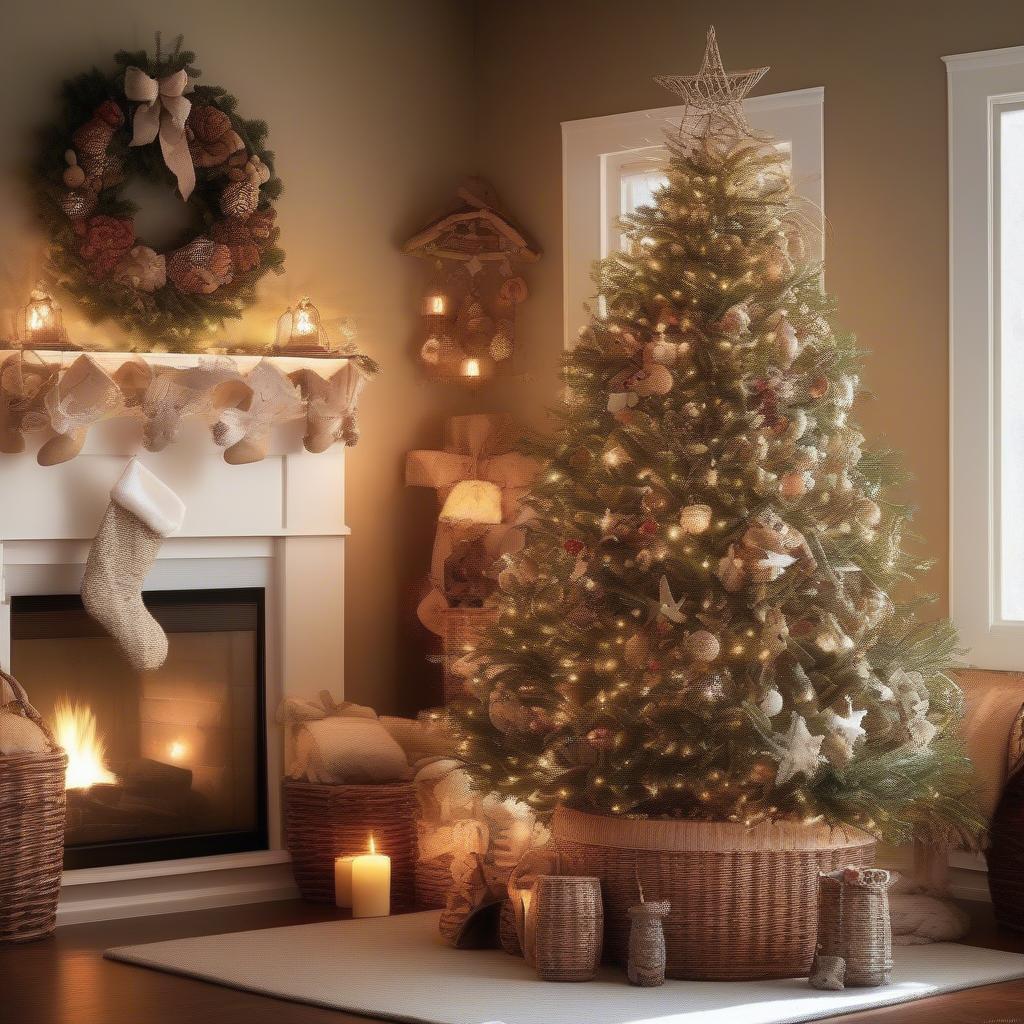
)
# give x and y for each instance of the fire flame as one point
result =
(75, 728)
(373, 845)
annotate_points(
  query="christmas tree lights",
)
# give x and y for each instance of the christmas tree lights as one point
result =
(706, 621)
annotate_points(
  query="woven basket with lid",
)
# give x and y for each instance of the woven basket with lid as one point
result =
(744, 901)
(32, 810)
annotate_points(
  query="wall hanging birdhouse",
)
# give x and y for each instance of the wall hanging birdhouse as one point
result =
(469, 307)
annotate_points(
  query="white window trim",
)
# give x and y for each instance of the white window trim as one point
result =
(593, 145)
(978, 85)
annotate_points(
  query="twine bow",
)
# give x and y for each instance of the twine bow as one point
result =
(163, 110)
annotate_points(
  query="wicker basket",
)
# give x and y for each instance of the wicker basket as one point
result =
(462, 630)
(32, 807)
(1005, 855)
(324, 822)
(565, 927)
(853, 923)
(744, 901)
(433, 882)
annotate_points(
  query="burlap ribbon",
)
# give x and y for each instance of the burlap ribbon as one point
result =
(476, 448)
(163, 111)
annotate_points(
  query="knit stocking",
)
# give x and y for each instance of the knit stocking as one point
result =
(142, 511)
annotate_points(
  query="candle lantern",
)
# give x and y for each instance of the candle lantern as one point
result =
(475, 369)
(41, 322)
(437, 303)
(300, 332)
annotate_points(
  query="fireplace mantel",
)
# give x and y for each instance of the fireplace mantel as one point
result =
(277, 524)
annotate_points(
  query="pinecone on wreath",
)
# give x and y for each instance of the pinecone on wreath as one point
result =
(238, 237)
(211, 139)
(105, 242)
(240, 199)
(200, 267)
(93, 137)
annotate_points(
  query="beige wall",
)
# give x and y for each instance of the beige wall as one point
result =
(371, 116)
(540, 63)
(376, 107)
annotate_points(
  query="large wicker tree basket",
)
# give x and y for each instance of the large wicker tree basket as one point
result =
(32, 808)
(744, 901)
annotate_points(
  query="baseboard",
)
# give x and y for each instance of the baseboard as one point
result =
(106, 899)
(968, 872)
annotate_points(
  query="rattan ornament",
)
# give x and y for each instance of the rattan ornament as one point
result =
(854, 947)
(646, 964)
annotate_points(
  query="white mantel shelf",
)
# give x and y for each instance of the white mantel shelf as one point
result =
(278, 524)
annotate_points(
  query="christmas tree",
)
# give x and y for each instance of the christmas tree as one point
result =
(705, 621)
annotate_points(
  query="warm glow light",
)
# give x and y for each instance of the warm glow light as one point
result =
(436, 304)
(304, 322)
(473, 501)
(75, 728)
(177, 750)
(373, 845)
(38, 317)
(471, 368)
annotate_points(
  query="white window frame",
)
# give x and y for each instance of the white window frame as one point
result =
(594, 149)
(979, 85)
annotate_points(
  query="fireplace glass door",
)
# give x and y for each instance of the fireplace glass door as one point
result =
(162, 764)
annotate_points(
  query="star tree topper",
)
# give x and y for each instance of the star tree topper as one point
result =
(714, 97)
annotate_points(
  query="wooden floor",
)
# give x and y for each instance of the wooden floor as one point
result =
(65, 980)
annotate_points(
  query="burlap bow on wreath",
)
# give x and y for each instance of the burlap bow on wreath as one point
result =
(476, 447)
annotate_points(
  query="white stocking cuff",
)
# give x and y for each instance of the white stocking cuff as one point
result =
(145, 495)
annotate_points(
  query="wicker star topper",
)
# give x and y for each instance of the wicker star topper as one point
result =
(713, 97)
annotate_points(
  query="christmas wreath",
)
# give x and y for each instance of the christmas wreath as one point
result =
(149, 119)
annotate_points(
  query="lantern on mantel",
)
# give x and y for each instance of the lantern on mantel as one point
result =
(300, 332)
(469, 309)
(41, 323)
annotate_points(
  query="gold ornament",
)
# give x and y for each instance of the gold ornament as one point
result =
(866, 512)
(702, 646)
(795, 485)
(695, 518)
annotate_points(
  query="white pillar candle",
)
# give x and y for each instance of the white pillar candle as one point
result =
(371, 884)
(343, 881)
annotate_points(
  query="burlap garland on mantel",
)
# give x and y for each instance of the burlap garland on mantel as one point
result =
(239, 406)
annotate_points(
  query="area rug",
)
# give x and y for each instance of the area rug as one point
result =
(398, 969)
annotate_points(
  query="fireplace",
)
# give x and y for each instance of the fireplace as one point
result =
(162, 765)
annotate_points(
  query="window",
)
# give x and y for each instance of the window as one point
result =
(986, 246)
(612, 165)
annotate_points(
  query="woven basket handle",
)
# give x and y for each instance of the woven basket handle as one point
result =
(25, 705)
